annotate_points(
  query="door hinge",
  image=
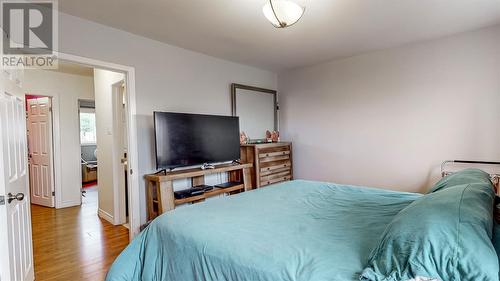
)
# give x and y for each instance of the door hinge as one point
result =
(53, 193)
(131, 171)
(50, 109)
(2, 200)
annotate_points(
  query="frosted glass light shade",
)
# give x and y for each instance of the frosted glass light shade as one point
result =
(283, 13)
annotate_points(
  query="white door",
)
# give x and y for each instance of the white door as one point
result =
(16, 258)
(40, 151)
(120, 152)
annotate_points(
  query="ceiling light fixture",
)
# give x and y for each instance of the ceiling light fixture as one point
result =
(283, 13)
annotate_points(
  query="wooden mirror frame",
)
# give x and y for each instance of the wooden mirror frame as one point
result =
(235, 87)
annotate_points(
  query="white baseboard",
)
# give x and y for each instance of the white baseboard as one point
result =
(67, 204)
(106, 216)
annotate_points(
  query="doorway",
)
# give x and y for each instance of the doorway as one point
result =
(90, 131)
(96, 149)
(88, 153)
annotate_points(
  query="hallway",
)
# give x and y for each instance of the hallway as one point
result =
(74, 243)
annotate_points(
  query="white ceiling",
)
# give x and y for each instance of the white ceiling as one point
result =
(237, 30)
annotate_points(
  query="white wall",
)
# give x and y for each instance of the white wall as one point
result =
(67, 90)
(388, 118)
(103, 84)
(167, 78)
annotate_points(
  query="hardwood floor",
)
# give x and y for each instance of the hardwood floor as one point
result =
(74, 243)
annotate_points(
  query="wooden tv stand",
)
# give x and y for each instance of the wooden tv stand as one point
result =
(160, 191)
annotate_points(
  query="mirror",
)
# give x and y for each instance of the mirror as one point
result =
(257, 109)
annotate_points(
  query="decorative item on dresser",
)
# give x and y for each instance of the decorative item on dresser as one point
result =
(272, 162)
(160, 192)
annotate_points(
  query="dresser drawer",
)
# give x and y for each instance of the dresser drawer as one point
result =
(282, 174)
(277, 180)
(270, 172)
(271, 166)
(274, 158)
(274, 154)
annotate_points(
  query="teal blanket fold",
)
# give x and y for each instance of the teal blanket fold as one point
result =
(294, 231)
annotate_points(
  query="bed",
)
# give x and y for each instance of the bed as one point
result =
(298, 230)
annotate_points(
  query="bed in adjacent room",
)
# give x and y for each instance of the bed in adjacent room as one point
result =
(313, 231)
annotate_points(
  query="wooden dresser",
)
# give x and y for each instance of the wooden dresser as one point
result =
(272, 162)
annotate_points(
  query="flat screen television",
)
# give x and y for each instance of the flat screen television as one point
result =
(183, 139)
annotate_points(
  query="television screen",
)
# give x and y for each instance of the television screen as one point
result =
(193, 139)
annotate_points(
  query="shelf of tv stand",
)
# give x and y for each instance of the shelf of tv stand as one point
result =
(214, 192)
(160, 194)
(196, 172)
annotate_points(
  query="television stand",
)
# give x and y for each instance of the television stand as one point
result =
(160, 192)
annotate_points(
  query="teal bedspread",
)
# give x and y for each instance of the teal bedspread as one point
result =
(299, 230)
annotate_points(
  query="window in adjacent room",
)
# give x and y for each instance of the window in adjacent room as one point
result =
(87, 126)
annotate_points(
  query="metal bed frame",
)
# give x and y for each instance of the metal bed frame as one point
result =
(495, 178)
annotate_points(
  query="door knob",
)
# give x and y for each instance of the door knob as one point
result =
(18, 197)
